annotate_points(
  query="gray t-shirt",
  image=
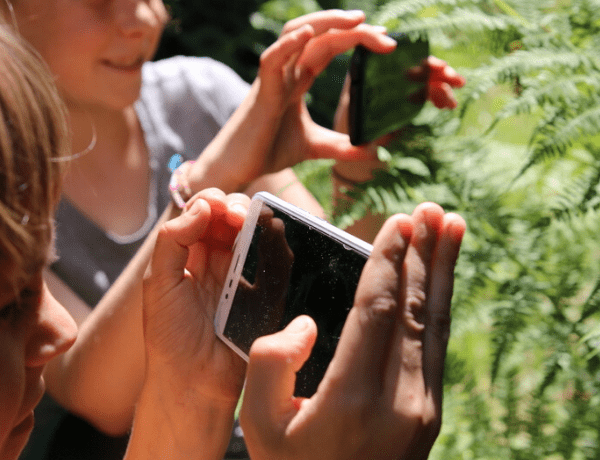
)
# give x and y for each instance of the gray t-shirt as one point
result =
(183, 103)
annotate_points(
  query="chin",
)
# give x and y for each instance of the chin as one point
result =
(13, 447)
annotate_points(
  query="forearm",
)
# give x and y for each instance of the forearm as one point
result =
(345, 176)
(232, 159)
(175, 425)
(101, 376)
(286, 185)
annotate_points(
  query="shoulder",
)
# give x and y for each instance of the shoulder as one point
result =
(184, 102)
(179, 78)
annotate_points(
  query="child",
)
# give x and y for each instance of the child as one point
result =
(127, 120)
(381, 397)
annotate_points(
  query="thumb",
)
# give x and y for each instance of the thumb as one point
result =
(170, 253)
(271, 376)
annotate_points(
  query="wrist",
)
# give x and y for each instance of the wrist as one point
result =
(238, 154)
(176, 423)
(350, 173)
(179, 187)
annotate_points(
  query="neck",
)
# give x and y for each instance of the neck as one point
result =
(107, 131)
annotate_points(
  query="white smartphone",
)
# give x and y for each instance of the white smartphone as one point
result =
(287, 262)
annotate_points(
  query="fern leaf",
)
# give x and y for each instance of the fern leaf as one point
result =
(582, 197)
(459, 19)
(592, 303)
(522, 63)
(572, 130)
(403, 8)
(556, 91)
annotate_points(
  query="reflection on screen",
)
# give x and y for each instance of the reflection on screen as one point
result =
(292, 269)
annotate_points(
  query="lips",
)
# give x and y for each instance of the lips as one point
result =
(30, 402)
(125, 65)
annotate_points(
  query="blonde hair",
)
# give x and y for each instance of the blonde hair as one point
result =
(33, 137)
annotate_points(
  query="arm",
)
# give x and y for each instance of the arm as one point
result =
(381, 395)
(192, 379)
(100, 377)
(272, 129)
(286, 185)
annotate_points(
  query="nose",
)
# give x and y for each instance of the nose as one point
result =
(134, 17)
(53, 333)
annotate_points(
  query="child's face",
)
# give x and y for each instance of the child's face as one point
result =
(30, 335)
(95, 47)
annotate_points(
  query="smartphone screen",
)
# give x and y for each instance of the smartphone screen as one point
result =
(385, 92)
(293, 268)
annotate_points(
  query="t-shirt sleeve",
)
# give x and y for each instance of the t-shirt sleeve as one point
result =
(185, 101)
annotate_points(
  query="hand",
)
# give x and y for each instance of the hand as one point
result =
(333, 32)
(441, 78)
(273, 120)
(381, 396)
(181, 292)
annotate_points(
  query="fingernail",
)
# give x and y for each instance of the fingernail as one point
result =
(355, 13)
(238, 208)
(388, 40)
(380, 29)
(298, 325)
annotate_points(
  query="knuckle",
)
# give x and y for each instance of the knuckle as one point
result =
(382, 309)
(414, 312)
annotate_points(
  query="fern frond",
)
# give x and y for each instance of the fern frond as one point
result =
(551, 370)
(592, 303)
(402, 8)
(522, 63)
(555, 90)
(458, 20)
(509, 322)
(582, 196)
(556, 138)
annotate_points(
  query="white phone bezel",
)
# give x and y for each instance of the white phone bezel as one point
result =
(242, 245)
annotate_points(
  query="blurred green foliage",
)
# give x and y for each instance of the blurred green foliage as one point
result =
(519, 159)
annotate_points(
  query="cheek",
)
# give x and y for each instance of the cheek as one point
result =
(60, 35)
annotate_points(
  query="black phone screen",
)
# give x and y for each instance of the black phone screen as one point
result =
(385, 93)
(293, 269)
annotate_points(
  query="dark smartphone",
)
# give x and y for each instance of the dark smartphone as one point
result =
(386, 93)
(287, 263)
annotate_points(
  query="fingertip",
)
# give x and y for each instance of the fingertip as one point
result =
(440, 93)
(435, 63)
(453, 78)
(404, 225)
(356, 15)
(214, 197)
(431, 213)
(305, 32)
(237, 208)
(196, 207)
(302, 324)
(387, 243)
(290, 346)
(455, 226)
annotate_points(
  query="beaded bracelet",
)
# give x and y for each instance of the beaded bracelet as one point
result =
(178, 185)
